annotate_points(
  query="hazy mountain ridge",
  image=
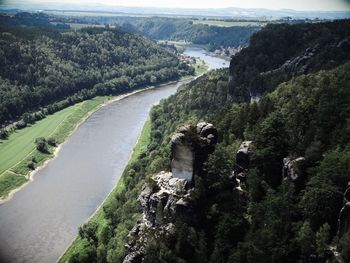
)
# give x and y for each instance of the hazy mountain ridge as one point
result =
(147, 11)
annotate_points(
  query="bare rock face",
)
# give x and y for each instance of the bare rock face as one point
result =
(183, 157)
(168, 196)
(293, 168)
(163, 200)
(190, 148)
(344, 215)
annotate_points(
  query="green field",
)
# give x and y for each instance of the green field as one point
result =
(98, 217)
(200, 67)
(78, 26)
(224, 23)
(19, 149)
(21, 143)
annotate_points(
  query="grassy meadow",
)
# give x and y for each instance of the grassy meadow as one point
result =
(19, 149)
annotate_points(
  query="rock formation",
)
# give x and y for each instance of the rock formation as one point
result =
(293, 169)
(243, 162)
(344, 215)
(168, 195)
(190, 148)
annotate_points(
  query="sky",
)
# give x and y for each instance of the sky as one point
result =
(314, 5)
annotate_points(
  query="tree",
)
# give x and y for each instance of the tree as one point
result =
(322, 239)
(344, 247)
(4, 134)
(306, 239)
(52, 141)
(272, 147)
(89, 232)
(85, 253)
(41, 145)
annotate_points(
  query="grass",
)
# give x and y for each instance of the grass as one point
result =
(19, 149)
(98, 217)
(223, 23)
(77, 26)
(21, 143)
(200, 67)
(180, 45)
(10, 181)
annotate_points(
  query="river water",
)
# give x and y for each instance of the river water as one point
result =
(41, 220)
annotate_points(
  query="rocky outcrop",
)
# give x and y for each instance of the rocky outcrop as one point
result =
(298, 65)
(293, 169)
(163, 201)
(344, 215)
(167, 196)
(190, 147)
(243, 162)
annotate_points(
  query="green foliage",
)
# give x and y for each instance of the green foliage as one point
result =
(49, 69)
(31, 165)
(88, 231)
(51, 141)
(84, 253)
(41, 145)
(322, 239)
(9, 181)
(4, 134)
(269, 219)
(259, 68)
(285, 123)
(272, 147)
(344, 247)
(306, 239)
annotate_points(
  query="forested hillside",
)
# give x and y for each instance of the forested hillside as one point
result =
(278, 53)
(43, 67)
(273, 219)
(267, 216)
(182, 29)
(178, 29)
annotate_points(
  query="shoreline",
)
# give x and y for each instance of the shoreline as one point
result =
(31, 175)
(103, 201)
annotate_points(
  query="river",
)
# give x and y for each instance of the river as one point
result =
(42, 219)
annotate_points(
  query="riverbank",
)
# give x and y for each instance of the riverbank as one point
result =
(60, 125)
(98, 217)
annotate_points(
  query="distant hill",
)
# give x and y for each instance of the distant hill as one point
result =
(44, 67)
(228, 12)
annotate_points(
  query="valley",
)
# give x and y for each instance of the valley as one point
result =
(158, 134)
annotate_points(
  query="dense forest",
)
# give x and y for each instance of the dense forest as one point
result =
(281, 52)
(44, 69)
(269, 218)
(272, 219)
